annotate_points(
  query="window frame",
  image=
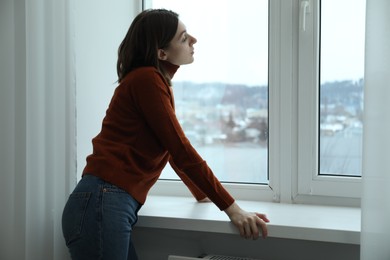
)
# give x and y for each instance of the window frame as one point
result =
(309, 182)
(242, 191)
(293, 146)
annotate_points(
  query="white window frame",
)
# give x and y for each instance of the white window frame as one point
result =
(293, 118)
(257, 192)
(309, 182)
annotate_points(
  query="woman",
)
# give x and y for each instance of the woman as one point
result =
(140, 134)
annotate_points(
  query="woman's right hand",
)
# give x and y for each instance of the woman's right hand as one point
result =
(249, 224)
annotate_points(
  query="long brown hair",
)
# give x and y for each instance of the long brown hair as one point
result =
(150, 31)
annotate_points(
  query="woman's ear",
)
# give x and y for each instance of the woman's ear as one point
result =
(161, 54)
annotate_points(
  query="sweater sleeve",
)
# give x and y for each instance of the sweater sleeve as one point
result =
(196, 192)
(154, 101)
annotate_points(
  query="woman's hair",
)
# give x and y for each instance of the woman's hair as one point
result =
(150, 31)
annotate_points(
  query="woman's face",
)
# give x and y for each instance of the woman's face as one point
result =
(181, 48)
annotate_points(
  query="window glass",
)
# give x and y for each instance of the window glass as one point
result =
(341, 86)
(222, 98)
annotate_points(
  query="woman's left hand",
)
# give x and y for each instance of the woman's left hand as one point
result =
(249, 224)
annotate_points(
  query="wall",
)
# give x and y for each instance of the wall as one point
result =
(152, 244)
(99, 28)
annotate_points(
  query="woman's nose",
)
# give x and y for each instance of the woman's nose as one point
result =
(193, 39)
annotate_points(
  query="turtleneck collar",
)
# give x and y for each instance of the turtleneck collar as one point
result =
(170, 68)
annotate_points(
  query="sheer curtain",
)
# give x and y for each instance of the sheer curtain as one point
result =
(37, 162)
(48, 49)
(376, 146)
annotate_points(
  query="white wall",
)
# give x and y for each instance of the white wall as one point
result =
(376, 143)
(152, 244)
(99, 28)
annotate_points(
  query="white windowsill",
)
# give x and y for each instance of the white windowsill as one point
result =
(291, 221)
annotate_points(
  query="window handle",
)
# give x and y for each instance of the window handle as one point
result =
(305, 10)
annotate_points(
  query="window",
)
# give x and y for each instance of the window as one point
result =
(222, 98)
(304, 73)
(331, 76)
(341, 86)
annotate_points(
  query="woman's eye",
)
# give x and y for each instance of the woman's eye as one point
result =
(184, 38)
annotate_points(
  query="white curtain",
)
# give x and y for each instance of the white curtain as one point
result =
(37, 136)
(47, 48)
(375, 237)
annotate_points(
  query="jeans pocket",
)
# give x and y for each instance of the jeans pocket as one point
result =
(73, 215)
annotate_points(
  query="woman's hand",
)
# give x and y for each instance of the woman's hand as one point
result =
(248, 223)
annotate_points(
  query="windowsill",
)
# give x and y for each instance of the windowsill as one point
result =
(291, 221)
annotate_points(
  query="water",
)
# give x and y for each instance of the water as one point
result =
(245, 163)
(340, 154)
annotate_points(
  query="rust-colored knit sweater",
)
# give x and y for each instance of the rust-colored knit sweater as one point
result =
(140, 134)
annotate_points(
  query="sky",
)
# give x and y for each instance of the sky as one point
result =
(232, 39)
(342, 44)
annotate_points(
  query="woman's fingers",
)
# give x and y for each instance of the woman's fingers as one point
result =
(248, 227)
(263, 226)
(241, 229)
(262, 223)
(255, 230)
(262, 216)
(251, 226)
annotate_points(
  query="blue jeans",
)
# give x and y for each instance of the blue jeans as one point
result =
(98, 220)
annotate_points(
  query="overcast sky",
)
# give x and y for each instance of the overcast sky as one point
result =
(232, 42)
